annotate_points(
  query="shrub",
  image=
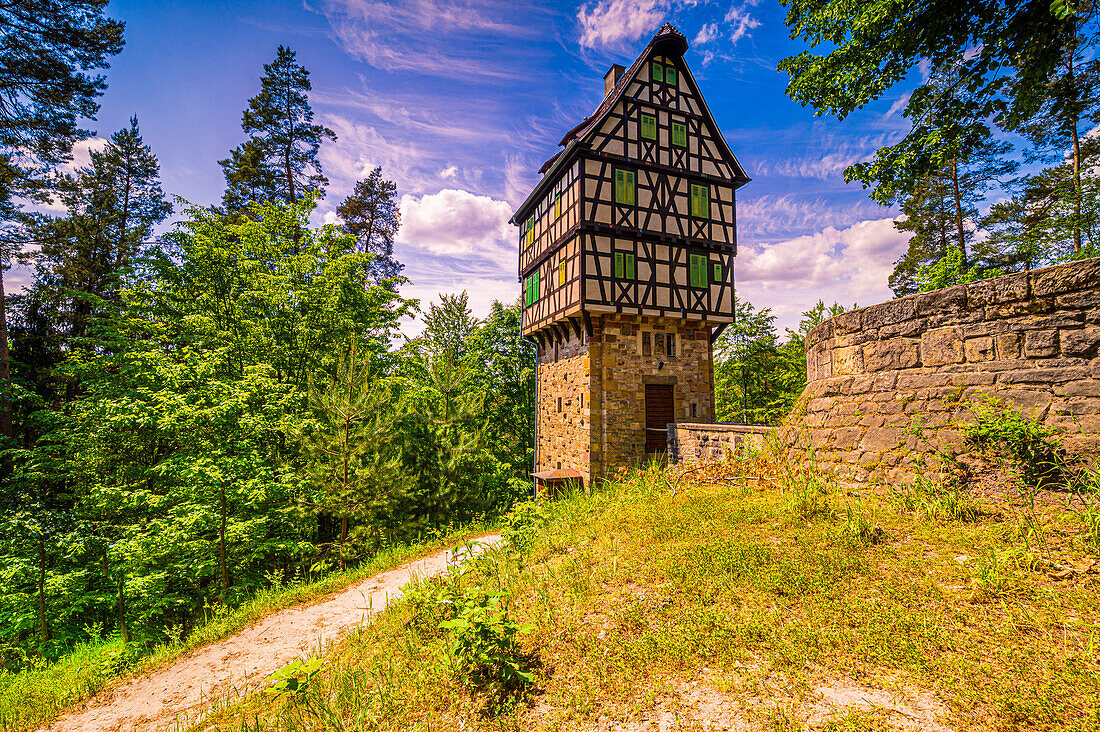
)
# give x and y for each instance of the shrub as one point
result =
(484, 644)
(1033, 446)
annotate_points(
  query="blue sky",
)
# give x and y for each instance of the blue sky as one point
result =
(461, 101)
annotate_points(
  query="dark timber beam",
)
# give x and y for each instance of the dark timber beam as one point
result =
(717, 332)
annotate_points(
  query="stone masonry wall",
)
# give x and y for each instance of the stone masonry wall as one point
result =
(689, 442)
(621, 368)
(590, 411)
(564, 406)
(1030, 339)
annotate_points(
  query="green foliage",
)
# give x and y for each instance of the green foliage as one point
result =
(1034, 447)
(937, 499)
(523, 524)
(484, 642)
(294, 678)
(949, 270)
(372, 216)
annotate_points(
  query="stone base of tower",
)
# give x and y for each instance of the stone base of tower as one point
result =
(592, 390)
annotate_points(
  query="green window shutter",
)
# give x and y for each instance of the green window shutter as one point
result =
(630, 266)
(658, 72)
(670, 75)
(698, 270)
(717, 272)
(557, 206)
(562, 273)
(649, 127)
(530, 231)
(679, 134)
(618, 265)
(700, 201)
(536, 296)
(624, 187)
(526, 291)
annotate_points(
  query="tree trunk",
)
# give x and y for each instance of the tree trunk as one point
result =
(958, 212)
(1075, 123)
(122, 629)
(45, 628)
(343, 538)
(5, 368)
(222, 565)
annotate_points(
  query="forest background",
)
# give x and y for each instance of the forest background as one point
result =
(188, 418)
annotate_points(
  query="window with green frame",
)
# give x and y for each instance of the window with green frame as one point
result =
(649, 127)
(700, 201)
(531, 289)
(625, 187)
(658, 71)
(670, 75)
(557, 206)
(717, 272)
(679, 134)
(698, 265)
(531, 230)
(563, 273)
(624, 266)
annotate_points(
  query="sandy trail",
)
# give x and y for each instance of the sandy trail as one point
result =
(178, 694)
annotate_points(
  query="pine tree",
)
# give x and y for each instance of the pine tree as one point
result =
(279, 160)
(113, 205)
(351, 459)
(370, 213)
(46, 46)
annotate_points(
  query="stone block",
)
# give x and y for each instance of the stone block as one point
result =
(1032, 402)
(892, 355)
(979, 349)
(908, 328)
(1045, 375)
(847, 360)
(889, 313)
(844, 438)
(1077, 406)
(1067, 277)
(1082, 342)
(950, 300)
(880, 439)
(941, 346)
(1007, 311)
(924, 380)
(1007, 345)
(1009, 288)
(1083, 300)
(850, 322)
(1041, 343)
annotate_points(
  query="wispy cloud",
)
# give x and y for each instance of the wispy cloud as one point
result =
(740, 21)
(447, 38)
(706, 34)
(770, 214)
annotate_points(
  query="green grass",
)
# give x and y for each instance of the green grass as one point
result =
(740, 602)
(34, 696)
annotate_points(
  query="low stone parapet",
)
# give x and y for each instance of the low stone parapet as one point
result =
(695, 442)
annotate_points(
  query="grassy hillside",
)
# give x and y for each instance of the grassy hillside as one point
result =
(785, 602)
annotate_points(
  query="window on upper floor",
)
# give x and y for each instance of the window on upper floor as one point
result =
(624, 266)
(649, 127)
(700, 201)
(670, 75)
(670, 345)
(531, 289)
(625, 187)
(717, 272)
(531, 230)
(563, 273)
(557, 206)
(658, 71)
(679, 134)
(698, 267)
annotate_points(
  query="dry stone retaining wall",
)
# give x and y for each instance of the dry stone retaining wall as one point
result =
(1030, 339)
(694, 442)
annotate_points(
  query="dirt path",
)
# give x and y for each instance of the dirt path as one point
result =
(178, 695)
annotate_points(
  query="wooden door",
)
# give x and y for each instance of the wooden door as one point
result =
(659, 412)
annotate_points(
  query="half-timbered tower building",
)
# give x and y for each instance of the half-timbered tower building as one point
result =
(626, 250)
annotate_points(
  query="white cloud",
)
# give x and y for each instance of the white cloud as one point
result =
(612, 22)
(448, 173)
(82, 153)
(458, 223)
(850, 265)
(741, 22)
(706, 34)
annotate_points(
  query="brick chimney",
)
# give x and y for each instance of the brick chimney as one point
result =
(611, 78)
